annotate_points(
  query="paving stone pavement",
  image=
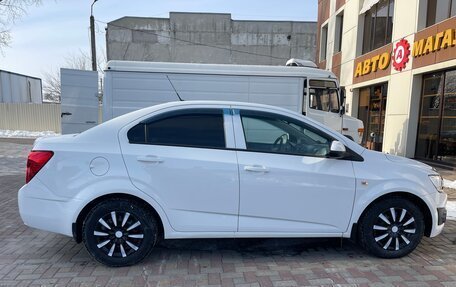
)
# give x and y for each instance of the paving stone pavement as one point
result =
(29, 257)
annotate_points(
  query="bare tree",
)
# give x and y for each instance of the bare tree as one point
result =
(10, 12)
(79, 61)
(51, 87)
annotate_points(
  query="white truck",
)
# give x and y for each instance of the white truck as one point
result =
(129, 86)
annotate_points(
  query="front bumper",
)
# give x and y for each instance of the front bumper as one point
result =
(441, 215)
(438, 210)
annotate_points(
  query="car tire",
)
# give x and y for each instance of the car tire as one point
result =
(119, 232)
(391, 228)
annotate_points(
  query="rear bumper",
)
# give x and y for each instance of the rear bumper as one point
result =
(40, 209)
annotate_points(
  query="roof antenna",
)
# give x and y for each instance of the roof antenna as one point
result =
(174, 89)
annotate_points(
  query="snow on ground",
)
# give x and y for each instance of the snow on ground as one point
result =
(451, 210)
(25, 134)
(449, 184)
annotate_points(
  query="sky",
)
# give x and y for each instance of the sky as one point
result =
(57, 29)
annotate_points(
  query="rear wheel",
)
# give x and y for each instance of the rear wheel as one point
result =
(392, 228)
(119, 232)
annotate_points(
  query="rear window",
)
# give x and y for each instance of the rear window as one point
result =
(192, 128)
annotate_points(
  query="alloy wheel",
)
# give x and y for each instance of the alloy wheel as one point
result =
(118, 234)
(394, 229)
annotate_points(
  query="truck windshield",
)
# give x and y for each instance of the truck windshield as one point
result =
(323, 96)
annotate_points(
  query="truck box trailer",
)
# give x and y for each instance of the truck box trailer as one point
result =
(313, 92)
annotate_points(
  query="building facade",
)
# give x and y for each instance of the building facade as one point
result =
(397, 62)
(209, 38)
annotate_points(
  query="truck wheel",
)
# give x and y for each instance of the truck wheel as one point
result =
(119, 232)
(391, 228)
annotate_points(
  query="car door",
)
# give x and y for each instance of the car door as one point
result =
(180, 158)
(287, 183)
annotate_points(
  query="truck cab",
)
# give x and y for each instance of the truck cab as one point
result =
(324, 101)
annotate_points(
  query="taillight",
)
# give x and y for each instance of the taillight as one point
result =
(36, 160)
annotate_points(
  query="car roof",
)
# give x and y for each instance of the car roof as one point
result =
(114, 125)
(122, 120)
(215, 103)
(221, 104)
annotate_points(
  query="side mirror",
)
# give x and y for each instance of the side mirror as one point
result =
(337, 150)
(342, 110)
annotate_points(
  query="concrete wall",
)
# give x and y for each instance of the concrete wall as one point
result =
(210, 38)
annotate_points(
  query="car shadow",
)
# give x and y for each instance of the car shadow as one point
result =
(263, 246)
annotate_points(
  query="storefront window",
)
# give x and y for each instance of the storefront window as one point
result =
(439, 10)
(378, 25)
(437, 126)
(448, 130)
(371, 110)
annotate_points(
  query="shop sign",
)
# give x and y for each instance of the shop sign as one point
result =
(441, 40)
(371, 65)
(401, 55)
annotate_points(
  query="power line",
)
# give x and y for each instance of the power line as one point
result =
(191, 42)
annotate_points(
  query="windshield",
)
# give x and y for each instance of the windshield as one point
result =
(323, 96)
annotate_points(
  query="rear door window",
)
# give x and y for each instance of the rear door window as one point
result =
(191, 128)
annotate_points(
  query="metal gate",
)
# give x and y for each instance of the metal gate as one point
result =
(79, 97)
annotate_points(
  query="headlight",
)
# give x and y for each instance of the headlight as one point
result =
(437, 181)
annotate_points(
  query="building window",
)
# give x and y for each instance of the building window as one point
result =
(439, 10)
(436, 140)
(339, 29)
(323, 42)
(378, 25)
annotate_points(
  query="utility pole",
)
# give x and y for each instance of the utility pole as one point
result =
(92, 38)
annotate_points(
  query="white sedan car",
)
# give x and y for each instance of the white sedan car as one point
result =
(224, 170)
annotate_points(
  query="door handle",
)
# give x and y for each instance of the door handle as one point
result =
(65, 114)
(149, 158)
(256, 168)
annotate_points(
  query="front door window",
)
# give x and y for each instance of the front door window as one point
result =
(265, 133)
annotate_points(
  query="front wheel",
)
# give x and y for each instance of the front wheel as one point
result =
(392, 228)
(119, 232)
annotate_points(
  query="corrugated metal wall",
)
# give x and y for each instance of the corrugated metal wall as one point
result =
(17, 88)
(30, 117)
